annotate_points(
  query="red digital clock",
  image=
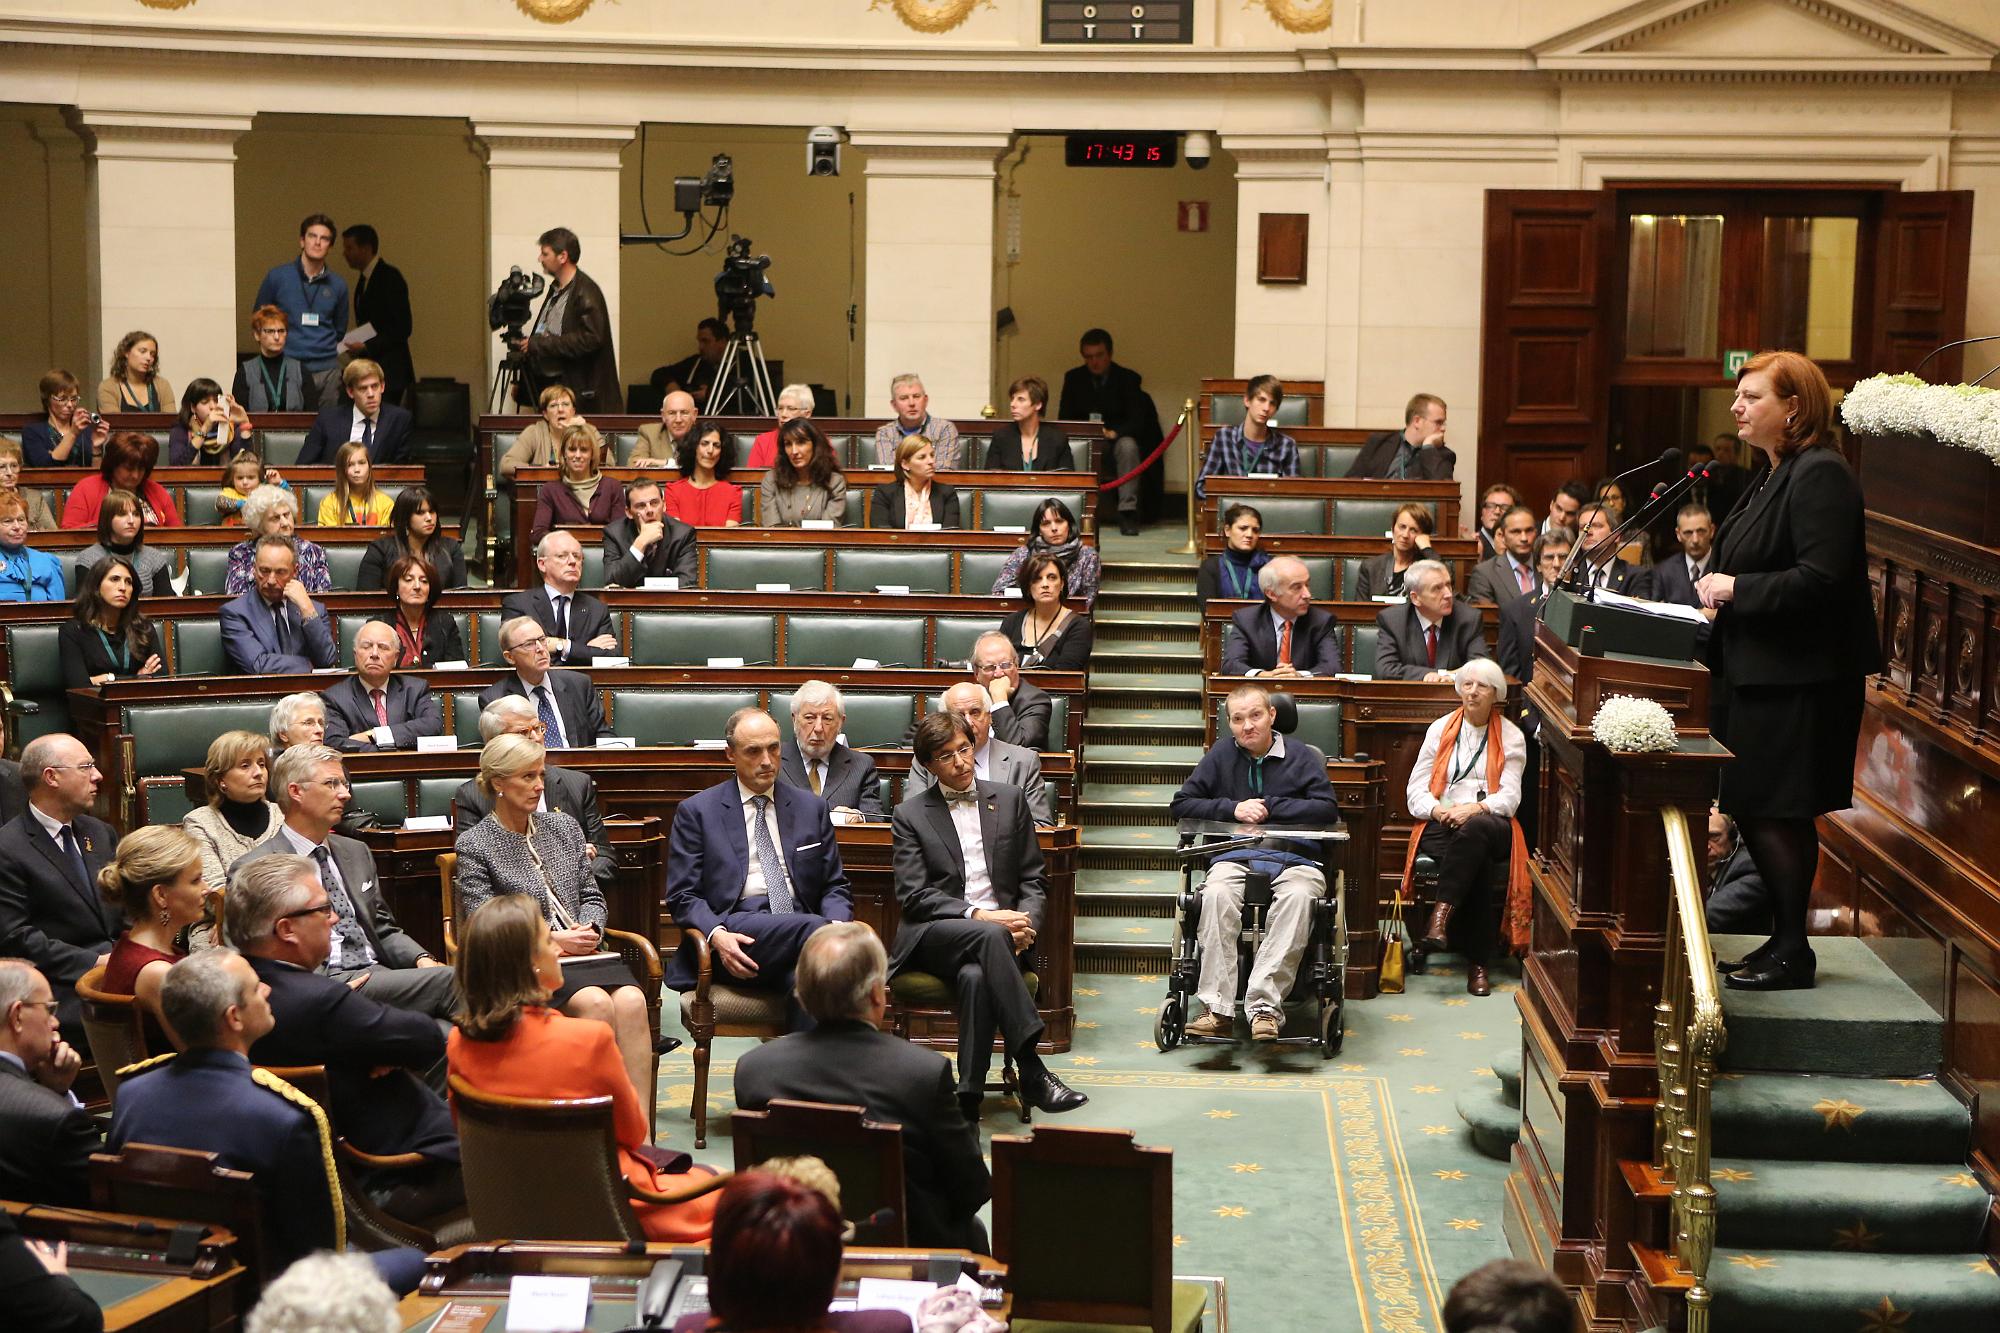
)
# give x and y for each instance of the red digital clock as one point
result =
(1145, 149)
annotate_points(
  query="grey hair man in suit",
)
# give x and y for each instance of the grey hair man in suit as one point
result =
(375, 709)
(1431, 635)
(1021, 709)
(565, 701)
(369, 949)
(993, 760)
(564, 789)
(815, 757)
(968, 874)
(46, 1137)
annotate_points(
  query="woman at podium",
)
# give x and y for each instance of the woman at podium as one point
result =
(1793, 642)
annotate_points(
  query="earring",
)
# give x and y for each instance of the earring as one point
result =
(1789, 416)
(165, 919)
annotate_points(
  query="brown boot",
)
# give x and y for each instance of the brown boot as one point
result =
(1475, 980)
(1434, 933)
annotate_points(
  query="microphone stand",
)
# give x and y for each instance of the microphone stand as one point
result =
(1671, 457)
(1662, 495)
(1962, 342)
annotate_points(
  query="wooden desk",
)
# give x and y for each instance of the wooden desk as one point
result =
(174, 539)
(121, 1262)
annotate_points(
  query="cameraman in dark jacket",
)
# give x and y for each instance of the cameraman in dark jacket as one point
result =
(570, 343)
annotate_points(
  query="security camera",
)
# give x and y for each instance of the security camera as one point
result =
(1198, 149)
(823, 151)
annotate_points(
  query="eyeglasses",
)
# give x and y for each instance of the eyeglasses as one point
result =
(331, 784)
(324, 908)
(962, 752)
(49, 1005)
(87, 766)
(529, 646)
(534, 730)
(63, 398)
(994, 668)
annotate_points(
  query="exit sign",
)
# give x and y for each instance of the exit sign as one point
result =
(1127, 23)
(1734, 360)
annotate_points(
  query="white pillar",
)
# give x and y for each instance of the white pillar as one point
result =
(541, 175)
(929, 285)
(1281, 328)
(160, 238)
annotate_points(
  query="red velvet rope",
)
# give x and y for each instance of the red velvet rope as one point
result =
(1146, 462)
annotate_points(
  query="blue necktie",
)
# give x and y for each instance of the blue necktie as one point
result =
(768, 861)
(75, 857)
(545, 705)
(562, 618)
(368, 437)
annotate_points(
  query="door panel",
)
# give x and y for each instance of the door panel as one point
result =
(1923, 251)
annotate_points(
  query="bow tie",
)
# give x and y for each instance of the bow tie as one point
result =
(970, 796)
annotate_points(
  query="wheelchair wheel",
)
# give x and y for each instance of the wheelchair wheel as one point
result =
(1332, 1033)
(1171, 1025)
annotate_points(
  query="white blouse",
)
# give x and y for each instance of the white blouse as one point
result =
(1465, 771)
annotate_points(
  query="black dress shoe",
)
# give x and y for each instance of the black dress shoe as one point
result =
(1128, 525)
(969, 1104)
(666, 1045)
(1046, 1092)
(1755, 958)
(1777, 972)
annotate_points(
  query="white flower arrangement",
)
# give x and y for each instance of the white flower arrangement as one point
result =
(1964, 415)
(1626, 724)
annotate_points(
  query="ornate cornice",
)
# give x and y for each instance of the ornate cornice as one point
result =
(157, 134)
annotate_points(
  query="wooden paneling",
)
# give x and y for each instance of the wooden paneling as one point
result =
(1923, 246)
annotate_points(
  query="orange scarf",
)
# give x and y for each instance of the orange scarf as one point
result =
(1516, 920)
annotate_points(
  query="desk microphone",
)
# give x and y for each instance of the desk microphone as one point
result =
(1669, 457)
(1962, 342)
(1664, 493)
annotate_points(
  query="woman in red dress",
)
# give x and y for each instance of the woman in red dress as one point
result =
(156, 880)
(701, 498)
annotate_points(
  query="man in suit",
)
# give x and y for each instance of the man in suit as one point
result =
(993, 760)
(1738, 902)
(847, 1060)
(381, 298)
(1416, 452)
(377, 1057)
(13, 796)
(571, 340)
(1674, 577)
(1564, 506)
(362, 414)
(577, 624)
(752, 865)
(1253, 777)
(365, 945)
(1021, 710)
(51, 912)
(210, 1099)
(375, 709)
(816, 759)
(565, 701)
(695, 374)
(660, 441)
(1516, 654)
(969, 878)
(1494, 502)
(46, 1137)
(1431, 635)
(1511, 574)
(565, 789)
(1283, 635)
(1600, 565)
(1103, 391)
(40, 1292)
(648, 542)
(275, 627)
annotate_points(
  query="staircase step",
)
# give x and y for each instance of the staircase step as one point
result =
(1127, 835)
(1141, 655)
(1838, 1119)
(1507, 1068)
(1142, 599)
(1185, 755)
(1128, 893)
(1180, 571)
(1858, 1207)
(1860, 1018)
(1783, 1291)
(1125, 930)
(1495, 1123)
(1143, 728)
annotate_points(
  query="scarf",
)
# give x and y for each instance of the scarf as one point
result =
(1520, 908)
(248, 818)
(584, 491)
(1239, 573)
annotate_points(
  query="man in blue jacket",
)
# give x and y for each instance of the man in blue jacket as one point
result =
(276, 627)
(1254, 777)
(313, 297)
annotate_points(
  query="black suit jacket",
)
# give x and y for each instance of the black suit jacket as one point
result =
(589, 617)
(887, 511)
(385, 303)
(47, 916)
(1671, 582)
(1516, 653)
(1399, 642)
(1379, 455)
(1630, 579)
(1122, 404)
(413, 711)
(930, 864)
(673, 556)
(13, 795)
(446, 556)
(849, 1063)
(321, 1021)
(45, 1143)
(572, 792)
(1253, 642)
(1052, 452)
(851, 780)
(39, 1299)
(1026, 719)
(393, 945)
(330, 428)
(576, 703)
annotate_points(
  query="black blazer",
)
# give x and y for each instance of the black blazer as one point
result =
(851, 780)
(1026, 719)
(1379, 455)
(1399, 642)
(441, 640)
(1671, 582)
(323, 1021)
(1122, 403)
(330, 428)
(446, 556)
(1253, 644)
(887, 509)
(385, 303)
(673, 556)
(1052, 452)
(51, 1302)
(83, 655)
(566, 789)
(1802, 611)
(1630, 579)
(1516, 653)
(393, 945)
(413, 711)
(576, 703)
(849, 1063)
(13, 796)
(1377, 571)
(589, 618)
(47, 916)
(45, 1143)
(1069, 652)
(930, 864)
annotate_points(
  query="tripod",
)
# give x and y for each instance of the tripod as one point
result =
(743, 380)
(500, 400)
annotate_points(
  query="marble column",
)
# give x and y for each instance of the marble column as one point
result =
(1282, 328)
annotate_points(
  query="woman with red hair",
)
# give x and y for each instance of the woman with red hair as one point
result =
(128, 465)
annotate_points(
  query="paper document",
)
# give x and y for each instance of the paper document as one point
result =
(537, 1304)
(363, 333)
(888, 1293)
(1665, 610)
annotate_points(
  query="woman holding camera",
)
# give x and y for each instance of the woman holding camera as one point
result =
(72, 434)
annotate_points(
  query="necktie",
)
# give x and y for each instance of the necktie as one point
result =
(286, 643)
(1285, 643)
(381, 707)
(1694, 572)
(545, 705)
(350, 944)
(562, 617)
(368, 435)
(360, 288)
(812, 775)
(775, 887)
(75, 856)
(1526, 581)
(1431, 644)
(967, 797)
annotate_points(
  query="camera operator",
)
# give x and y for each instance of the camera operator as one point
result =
(570, 343)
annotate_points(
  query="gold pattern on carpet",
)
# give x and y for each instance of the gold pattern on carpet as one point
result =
(1857, 1237)
(1839, 1114)
(1884, 1318)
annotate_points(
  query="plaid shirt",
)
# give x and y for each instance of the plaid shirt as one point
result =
(945, 444)
(1230, 455)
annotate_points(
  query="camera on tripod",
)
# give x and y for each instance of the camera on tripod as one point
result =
(740, 283)
(512, 304)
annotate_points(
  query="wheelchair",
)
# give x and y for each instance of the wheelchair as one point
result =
(1321, 979)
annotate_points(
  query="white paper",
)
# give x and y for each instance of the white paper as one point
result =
(1393, 599)
(729, 662)
(1010, 527)
(610, 661)
(889, 1293)
(363, 333)
(1665, 610)
(329, 671)
(817, 524)
(539, 1304)
(459, 665)
(1262, 476)
(662, 583)
(707, 744)
(617, 742)
(865, 664)
(385, 738)
(774, 587)
(1352, 675)
(427, 823)
(922, 527)
(842, 818)
(1014, 593)
(436, 744)
(179, 582)
(893, 589)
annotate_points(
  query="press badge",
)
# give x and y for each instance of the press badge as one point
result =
(309, 319)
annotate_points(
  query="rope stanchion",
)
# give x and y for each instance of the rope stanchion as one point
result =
(1147, 461)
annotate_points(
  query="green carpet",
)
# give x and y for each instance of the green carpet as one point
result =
(1859, 1019)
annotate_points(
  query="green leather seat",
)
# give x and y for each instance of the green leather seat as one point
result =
(1361, 649)
(1319, 725)
(921, 990)
(198, 506)
(999, 509)
(691, 638)
(388, 801)
(659, 717)
(1363, 518)
(1288, 513)
(843, 450)
(593, 565)
(167, 738)
(281, 448)
(66, 560)
(343, 564)
(1335, 459)
(1350, 578)
(35, 665)
(434, 795)
(1058, 721)
(741, 442)
(844, 640)
(919, 569)
(872, 719)
(464, 709)
(857, 508)
(1226, 409)
(162, 801)
(742, 568)
(503, 440)
(309, 498)
(196, 648)
(623, 444)
(488, 651)
(208, 568)
(977, 570)
(953, 636)
(1319, 576)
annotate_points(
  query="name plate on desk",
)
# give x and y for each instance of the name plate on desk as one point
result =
(617, 742)
(661, 583)
(923, 527)
(450, 666)
(427, 823)
(1009, 527)
(893, 589)
(1263, 476)
(726, 663)
(774, 587)
(866, 664)
(817, 524)
(538, 1304)
(611, 661)
(436, 744)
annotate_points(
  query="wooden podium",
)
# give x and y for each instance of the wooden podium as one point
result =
(1592, 975)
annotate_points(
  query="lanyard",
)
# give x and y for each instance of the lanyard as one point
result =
(1460, 774)
(1240, 586)
(1254, 456)
(308, 284)
(121, 656)
(276, 391)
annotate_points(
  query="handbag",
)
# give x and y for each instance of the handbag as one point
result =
(1391, 982)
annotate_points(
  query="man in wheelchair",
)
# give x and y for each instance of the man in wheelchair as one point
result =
(1254, 777)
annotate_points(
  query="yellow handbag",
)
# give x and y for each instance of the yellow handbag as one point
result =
(1392, 950)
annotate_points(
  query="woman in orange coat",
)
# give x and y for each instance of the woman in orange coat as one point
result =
(510, 1042)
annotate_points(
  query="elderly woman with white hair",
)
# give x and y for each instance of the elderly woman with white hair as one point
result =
(1464, 790)
(268, 510)
(298, 719)
(794, 401)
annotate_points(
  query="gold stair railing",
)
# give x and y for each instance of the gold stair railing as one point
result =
(1687, 1036)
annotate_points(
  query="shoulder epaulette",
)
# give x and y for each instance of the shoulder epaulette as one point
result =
(143, 1065)
(264, 1078)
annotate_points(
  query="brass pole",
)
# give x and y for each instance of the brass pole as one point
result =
(1192, 443)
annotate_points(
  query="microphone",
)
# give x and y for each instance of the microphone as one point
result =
(1669, 457)
(1616, 537)
(1962, 342)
